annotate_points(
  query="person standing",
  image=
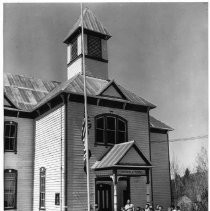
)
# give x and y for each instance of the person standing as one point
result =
(129, 206)
(147, 207)
(173, 208)
(151, 208)
(157, 207)
(160, 208)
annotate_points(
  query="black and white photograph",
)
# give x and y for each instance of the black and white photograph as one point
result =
(105, 106)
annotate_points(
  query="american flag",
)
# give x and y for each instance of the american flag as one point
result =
(83, 140)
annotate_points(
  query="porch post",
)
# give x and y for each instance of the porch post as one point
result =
(114, 178)
(148, 185)
(148, 193)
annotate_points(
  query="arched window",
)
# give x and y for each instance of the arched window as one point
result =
(42, 187)
(110, 129)
(10, 188)
(10, 136)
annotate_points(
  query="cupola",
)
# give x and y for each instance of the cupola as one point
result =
(95, 47)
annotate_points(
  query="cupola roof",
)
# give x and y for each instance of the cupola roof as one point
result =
(91, 24)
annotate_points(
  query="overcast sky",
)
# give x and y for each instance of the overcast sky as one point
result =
(157, 50)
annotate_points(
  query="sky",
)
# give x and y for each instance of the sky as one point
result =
(158, 51)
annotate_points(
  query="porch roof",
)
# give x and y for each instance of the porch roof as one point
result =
(116, 158)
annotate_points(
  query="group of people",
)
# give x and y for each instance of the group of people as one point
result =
(148, 207)
(173, 208)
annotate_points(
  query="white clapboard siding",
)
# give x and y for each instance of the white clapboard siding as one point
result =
(160, 172)
(22, 162)
(76, 184)
(74, 68)
(49, 153)
(92, 68)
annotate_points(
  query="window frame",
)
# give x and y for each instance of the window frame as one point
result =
(117, 118)
(13, 171)
(89, 37)
(57, 200)
(42, 174)
(13, 123)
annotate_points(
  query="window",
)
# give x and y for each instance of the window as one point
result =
(110, 129)
(10, 188)
(57, 199)
(94, 46)
(74, 49)
(42, 187)
(10, 136)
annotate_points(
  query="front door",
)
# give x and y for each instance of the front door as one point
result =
(103, 197)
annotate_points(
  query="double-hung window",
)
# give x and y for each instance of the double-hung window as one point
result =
(42, 187)
(110, 129)
(10, 136)
(10, 189)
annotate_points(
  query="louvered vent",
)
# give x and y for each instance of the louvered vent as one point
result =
(74, 50)
(94, 46)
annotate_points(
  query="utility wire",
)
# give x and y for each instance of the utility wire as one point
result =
(189, 139)
(183, 139)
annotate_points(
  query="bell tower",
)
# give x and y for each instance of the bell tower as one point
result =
(95, 47)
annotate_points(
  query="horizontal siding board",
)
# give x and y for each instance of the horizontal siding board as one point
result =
(49, 153)
(160, 172)
(76, 184)
(22, 162)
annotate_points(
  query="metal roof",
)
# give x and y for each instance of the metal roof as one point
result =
(116, 153)
(90, 22)
(94, 87)
(28, 94)
(25, 92)
(154, 123)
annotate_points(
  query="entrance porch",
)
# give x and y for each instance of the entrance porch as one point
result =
(116, 174)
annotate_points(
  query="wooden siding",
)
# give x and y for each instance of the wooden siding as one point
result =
(22, 162)
(160, 172)
(138, 191)
(96, 68)
(132, 157)
(49, 153)
(76, 184)
(74, 68)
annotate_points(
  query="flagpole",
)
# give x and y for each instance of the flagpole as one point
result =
(86, 117)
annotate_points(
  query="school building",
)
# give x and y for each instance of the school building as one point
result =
(43, 150)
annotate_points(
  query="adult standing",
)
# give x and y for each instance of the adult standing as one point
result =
(147, 207)
(129, 206)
